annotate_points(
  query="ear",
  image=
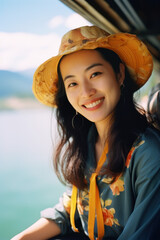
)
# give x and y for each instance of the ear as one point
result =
(121, 74)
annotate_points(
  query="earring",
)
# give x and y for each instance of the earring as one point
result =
(77, 121)
(122, 87)
(73, 125)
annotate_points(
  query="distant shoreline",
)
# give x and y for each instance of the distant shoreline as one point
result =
(17, 103)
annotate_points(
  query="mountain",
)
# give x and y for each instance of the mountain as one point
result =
(15, 84)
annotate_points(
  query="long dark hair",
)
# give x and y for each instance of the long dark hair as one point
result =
(129, 122)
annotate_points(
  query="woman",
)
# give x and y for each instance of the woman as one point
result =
(109, 154)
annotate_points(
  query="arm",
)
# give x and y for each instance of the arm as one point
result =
(54, 221)
(144, 222)
(43, 229)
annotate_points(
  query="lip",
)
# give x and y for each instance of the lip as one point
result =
(95, 102)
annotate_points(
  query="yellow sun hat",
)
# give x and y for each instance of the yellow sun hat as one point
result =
(131, 50)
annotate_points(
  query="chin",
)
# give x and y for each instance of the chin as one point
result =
(96, 120)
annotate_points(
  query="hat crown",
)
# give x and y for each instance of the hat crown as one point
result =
(80, 36)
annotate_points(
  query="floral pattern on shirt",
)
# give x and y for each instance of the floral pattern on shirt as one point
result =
(117, 187)
(131, 153)
(108, 213)
(83, 202)
(66, 202)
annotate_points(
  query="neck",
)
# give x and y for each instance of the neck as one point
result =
(103, 128)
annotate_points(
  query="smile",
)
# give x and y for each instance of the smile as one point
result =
(93, 104)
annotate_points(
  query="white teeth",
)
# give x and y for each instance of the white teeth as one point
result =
(91, 105)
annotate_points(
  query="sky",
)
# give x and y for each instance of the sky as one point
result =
(31, 31)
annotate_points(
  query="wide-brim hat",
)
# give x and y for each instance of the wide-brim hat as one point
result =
(131, 50)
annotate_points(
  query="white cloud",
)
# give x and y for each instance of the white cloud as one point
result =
(72, 21)
(56, 21)
(21, 51)
(75, 21)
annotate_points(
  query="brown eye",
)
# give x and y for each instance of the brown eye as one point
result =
(72, 84)
(95, 74)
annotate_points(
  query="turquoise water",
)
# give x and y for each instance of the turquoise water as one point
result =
(28, 183)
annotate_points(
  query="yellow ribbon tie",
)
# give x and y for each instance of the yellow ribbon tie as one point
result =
(94, 203)
(73, 207)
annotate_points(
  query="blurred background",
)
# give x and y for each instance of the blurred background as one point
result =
(30, 33)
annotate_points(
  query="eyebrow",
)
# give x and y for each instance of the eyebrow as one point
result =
(68, 76)
(93, 65)
(87, 69)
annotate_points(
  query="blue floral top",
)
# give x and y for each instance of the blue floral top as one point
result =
(131, 205)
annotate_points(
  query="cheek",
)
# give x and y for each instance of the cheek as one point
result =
(68, 97)
(114, 92)
(115, 85)
(111, 87)
(108, 82)
(71, 99)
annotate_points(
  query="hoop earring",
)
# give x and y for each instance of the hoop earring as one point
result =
(77, 122)
(122, 87)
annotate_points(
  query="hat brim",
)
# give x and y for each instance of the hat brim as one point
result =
(133, 53)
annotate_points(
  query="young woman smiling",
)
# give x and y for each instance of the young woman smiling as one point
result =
(109, 153)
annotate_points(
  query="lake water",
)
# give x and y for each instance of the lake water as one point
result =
(27, 179)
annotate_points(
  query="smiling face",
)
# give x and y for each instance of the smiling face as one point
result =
(91, 86)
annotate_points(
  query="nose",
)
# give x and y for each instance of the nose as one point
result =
(87, 89)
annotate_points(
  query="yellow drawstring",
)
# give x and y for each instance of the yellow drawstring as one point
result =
(94, 203)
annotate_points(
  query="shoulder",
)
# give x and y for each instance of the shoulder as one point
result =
(151, 139)
(143, 162)
(145, 150)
